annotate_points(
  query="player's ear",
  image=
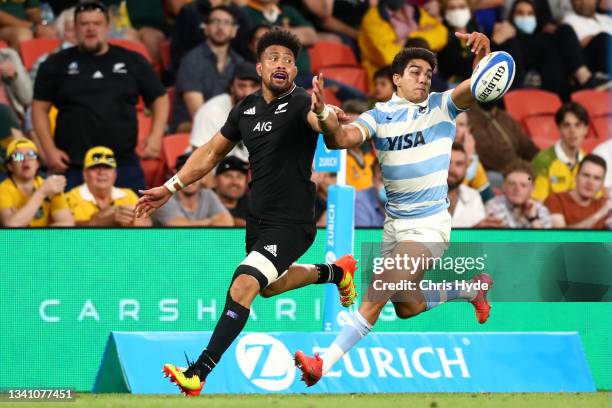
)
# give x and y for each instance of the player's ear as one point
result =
(397, 78)
(258, 68)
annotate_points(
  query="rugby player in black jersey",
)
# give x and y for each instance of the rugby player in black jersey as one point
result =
(279, 125)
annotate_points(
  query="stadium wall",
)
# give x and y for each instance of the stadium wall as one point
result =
(62, 291)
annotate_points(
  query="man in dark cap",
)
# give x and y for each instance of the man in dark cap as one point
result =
(231, 187)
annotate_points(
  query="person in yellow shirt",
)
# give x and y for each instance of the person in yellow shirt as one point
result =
(556, 167)
(386, 27)
(97, 202)
(26, 199)
(359, 159)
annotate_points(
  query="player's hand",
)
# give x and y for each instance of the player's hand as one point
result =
(57, 160)
(343, 117)
(477, 42)
(317, 97)
(151, 200)
(53, 185)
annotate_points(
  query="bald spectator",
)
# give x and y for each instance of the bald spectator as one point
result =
(515, 208)
(231, 186)
(26, 199)
(97, 202)
(193, 206)
(579, 208)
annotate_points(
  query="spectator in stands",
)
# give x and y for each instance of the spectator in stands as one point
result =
(386, 26)
(322, 180)
(231, 187)
(556, 167)
(604, 150)
(370, 203)
(213, 114)
(188, 34)
(383, 84)
(270, 12)
(21, 20)
(465, 205)
(476, 176)
(437, 83)
(95, 88)
(500, 140)
(358, 159)
(15, 82)
(257, 32)
(149, 22)
(64, 26)
(97, 202)
(515, 208)
(593, 30)
(25, 198)
(455, 60)
(193, 206)
(207, 69)
(579, 208)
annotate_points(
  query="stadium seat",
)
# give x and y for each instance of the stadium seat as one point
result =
(522, 103)
(3, 44)
(164, 53)
(135, 46)
(352, 76)
(31, 50)
(170, 91)
(542, 130)
(172, 147)
(330, 97)
(597, 103)
(330, 54)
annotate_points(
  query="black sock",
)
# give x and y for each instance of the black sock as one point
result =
(229, 326)
(329, 273)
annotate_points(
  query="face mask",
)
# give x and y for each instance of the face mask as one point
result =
(458, 18)
(382, 195)
(526, 24)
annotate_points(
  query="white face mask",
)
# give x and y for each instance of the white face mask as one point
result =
(458, 18)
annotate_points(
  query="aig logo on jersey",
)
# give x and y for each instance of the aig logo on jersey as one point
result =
(263, 127)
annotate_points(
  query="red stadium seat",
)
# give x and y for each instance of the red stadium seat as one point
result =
(135, 46)
(172, 147)
(522, 103)
(3, 44)
(31, 50)
(542, 130)
(330, 54)
(597, 103)
(603, 127)
(164, 53)
(170, 91)
(353, 76)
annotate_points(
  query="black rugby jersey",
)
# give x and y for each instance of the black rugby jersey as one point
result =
(281, 147)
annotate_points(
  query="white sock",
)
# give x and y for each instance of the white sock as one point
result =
(354, 329)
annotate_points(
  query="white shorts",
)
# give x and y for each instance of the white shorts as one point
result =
(433, 232)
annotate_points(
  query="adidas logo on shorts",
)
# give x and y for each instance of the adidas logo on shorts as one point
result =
(250, 111)
(271, 249)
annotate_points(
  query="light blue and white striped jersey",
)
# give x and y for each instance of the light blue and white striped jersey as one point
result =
(413, 144)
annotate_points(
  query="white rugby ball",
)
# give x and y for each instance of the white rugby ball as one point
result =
(492, 77)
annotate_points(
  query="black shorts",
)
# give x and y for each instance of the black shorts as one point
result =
(280, 244)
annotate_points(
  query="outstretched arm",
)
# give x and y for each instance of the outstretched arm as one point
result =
(200, 163)
(326, 120)
(481, 46)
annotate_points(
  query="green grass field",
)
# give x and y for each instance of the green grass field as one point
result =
(466, 400)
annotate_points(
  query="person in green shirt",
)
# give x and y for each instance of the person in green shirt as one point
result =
(21, 20)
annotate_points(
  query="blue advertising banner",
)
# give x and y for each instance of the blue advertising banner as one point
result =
(381, 362)
(339, 241)
(326, 159)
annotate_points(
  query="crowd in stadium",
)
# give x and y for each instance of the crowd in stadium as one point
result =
(82, 129)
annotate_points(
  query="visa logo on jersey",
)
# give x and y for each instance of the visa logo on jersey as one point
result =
(404, 141)
(263, 127)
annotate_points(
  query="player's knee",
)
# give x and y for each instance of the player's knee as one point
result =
(408, 310)
(244, 287)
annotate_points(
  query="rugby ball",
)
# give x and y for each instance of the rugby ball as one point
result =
(492, 77)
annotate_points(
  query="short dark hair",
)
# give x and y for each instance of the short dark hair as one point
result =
(417, 42)
(520, 166)
(229, 10)
(384, 72)
(91, 5)
(458, 147)
(355, 106)
(572, 107)
(401, 60)
(279, 36)
(595, 159)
